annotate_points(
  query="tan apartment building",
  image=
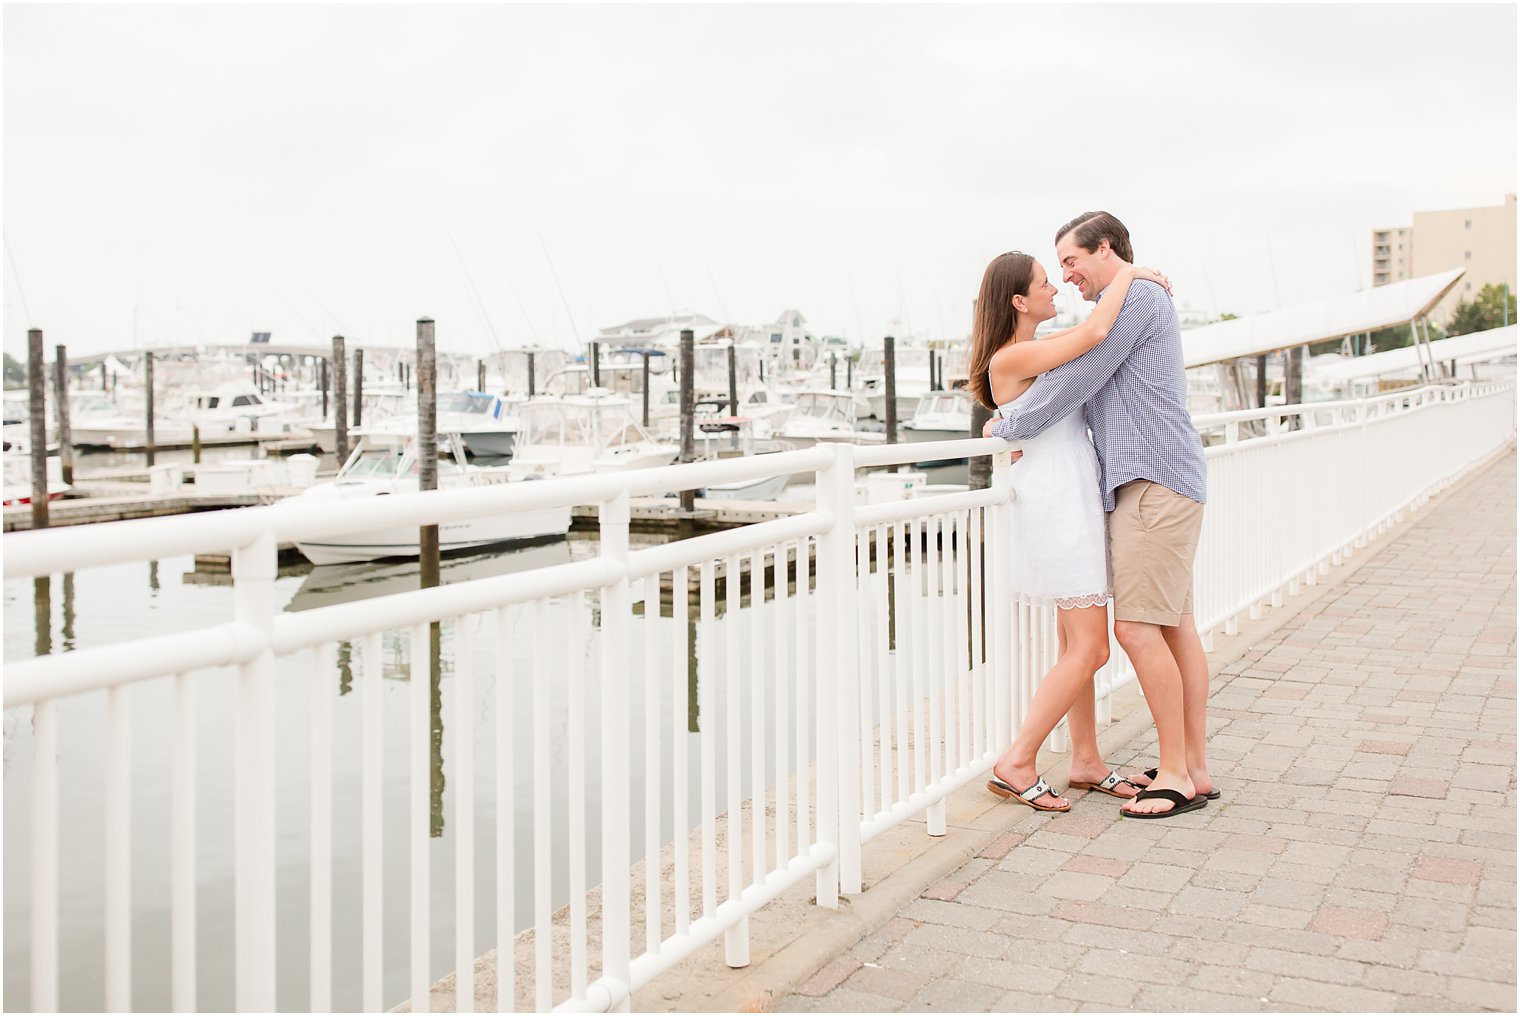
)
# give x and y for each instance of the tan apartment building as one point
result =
(1391, 255)
(1480, 240)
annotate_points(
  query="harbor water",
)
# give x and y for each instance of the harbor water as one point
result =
(113, 605)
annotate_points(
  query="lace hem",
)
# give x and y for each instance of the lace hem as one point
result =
(1067, 602)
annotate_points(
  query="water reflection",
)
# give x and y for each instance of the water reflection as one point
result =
(68, 611)
(345, 667)
(42, 608)
(435, 674)
(153, 576)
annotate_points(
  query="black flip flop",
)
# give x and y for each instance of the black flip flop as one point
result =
(1180, 804)
(1151, 774)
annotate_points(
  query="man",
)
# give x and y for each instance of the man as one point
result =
(1134, 394)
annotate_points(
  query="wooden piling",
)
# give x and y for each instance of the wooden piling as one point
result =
(688, 411)
(340, 399)
(1261, 381)
(596, 364)
(358, 414)
(645, 356)
(195, 444)
(427, 443)
(61, 392)
(733, 380)
(322, 383)
(889, 383)
(149, 438)
(37, 429)
(480, 375)
(833, 370)
(532, 378)
(1293, 376)
(980, 472)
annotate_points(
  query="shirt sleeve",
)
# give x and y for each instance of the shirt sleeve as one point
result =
(1062, 389)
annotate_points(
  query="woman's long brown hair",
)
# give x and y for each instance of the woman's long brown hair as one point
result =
(1008, 275)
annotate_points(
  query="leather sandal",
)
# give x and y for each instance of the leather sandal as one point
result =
(1107, 785)
(1029, 795)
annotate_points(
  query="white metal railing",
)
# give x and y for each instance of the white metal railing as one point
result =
(871, 673)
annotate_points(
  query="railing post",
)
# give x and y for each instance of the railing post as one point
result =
(1000, 609)
(254, 568)
(44, 818)
(615, 517)
(846, 593)
(837, 750)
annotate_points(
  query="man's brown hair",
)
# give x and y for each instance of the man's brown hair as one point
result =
(1093, 228)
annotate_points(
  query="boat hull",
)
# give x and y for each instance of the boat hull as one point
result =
(404, 541)
(767, 489)
(912, 435)
(906, 405)
(490, 444)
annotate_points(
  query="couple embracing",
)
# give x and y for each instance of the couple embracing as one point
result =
(1114, 518)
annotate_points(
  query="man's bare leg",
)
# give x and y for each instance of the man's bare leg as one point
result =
(1161, 680)
(1193, 664)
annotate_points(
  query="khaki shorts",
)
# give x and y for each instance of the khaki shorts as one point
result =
(1153, 537)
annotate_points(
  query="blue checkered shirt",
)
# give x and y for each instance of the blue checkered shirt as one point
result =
(1134, 393)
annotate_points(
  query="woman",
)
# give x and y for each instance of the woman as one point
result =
(1061, 557)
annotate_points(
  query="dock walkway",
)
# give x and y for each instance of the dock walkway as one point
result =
(1362, 856)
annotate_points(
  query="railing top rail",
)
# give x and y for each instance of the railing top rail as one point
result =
(1210, 420)
(901, 454)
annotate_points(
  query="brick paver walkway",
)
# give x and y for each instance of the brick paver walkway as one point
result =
(1362, 856)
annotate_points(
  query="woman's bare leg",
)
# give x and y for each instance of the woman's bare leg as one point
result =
(1082, 635)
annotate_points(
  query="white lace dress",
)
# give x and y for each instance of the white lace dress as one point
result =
(1060, 531)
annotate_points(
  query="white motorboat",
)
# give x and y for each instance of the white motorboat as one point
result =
(385, 462)
(737, 437)
(823, 414)
(233, 412)
(18, 477)
(940, 416)
(911, 367)
(487, 423)
(380, 405)
(592, 433)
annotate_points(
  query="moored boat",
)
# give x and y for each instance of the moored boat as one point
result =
(386, 462)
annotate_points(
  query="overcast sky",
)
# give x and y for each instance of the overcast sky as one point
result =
(194, 173)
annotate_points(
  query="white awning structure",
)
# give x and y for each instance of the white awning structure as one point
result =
(1478, 347)
(1335, 318)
